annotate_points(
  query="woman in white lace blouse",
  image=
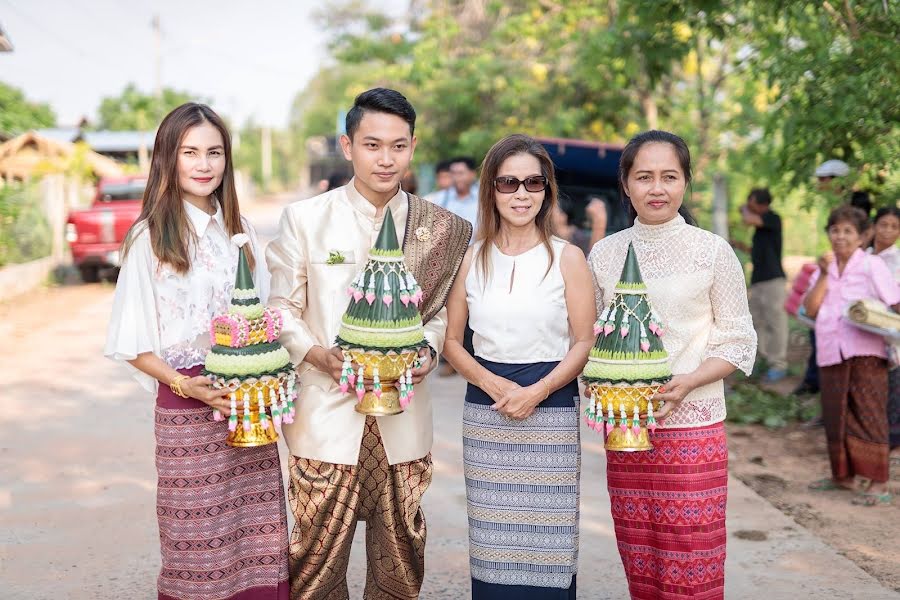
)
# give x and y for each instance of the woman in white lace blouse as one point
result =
(178, 272)
(668, 504)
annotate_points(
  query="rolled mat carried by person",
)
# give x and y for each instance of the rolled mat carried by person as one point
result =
(873, 313)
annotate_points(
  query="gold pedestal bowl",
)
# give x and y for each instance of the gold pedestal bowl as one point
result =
(625, 413)
(260, 404)
(385, 370)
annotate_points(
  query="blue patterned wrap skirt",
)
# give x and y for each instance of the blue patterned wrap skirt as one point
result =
(522, 485)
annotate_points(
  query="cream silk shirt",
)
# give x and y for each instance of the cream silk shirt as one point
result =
(313, 296)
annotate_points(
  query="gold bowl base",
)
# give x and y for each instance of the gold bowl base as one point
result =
(626, 441)
(257, 436)
(388, 404)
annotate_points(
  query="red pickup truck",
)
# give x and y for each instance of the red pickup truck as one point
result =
(95, 234)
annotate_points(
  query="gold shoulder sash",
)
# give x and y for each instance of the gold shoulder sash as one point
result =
(434, 246)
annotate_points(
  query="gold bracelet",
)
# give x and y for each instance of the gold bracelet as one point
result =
(546, 383)
(175, 385)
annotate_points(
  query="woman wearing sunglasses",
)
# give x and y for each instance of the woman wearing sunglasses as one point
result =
(528, 297)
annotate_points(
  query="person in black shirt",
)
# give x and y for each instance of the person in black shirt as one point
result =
(768, 283)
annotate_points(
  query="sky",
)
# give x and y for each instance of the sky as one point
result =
(247, 58)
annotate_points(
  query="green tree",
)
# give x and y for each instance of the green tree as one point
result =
(832, 83)
(762, 90)
(135, 110)
(18, 115)
(248, 156)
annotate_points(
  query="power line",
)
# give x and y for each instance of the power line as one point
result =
(59, 40)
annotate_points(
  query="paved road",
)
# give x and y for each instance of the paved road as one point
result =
(77, 482)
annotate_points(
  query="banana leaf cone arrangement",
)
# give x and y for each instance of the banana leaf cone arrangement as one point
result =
(627, 365)
(381, 331)
(247, 359)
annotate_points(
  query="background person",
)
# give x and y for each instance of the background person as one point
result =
(767, 282)
(852, 362)
(442, 180)
(887, 230)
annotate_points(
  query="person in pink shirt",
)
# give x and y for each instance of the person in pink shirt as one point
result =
(852, 362)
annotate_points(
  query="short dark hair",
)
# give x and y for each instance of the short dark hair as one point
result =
(466, 160)
(761, 195)
(848, 214)
(381, 100)
(862, 201)
(442, 166)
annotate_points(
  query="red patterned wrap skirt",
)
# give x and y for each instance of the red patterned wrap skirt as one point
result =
(221, 510)
(668, 506)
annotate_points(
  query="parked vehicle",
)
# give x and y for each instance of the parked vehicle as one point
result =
(587, 170)
(95, 234)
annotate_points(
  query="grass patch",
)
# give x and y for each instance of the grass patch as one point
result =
(748, 403)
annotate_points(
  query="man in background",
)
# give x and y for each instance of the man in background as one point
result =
(461, 198)
(442, 181)
(767, 284)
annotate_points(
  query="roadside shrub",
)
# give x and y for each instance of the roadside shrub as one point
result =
(24, 231)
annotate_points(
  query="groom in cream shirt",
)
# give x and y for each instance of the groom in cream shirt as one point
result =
(345, 466)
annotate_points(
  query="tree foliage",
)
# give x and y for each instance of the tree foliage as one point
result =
(762, 90)
(18, 115)
(136, 111)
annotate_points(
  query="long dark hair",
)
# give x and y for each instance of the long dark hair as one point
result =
(489, 216)
(630, 153)
(163, 210)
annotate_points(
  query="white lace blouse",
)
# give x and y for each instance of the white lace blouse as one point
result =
(697, 286)
(158, 310)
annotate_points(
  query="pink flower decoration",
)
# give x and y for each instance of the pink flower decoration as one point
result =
(608, 328)
(404, 298)
(597, 329)
(387, 299)
(357, 295)
(645, 346)
(624, 331)
(370, 297)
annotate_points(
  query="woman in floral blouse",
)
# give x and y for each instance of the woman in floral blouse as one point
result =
(221, 512)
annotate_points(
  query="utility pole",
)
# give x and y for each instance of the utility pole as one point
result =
(157, 54)
(266, 151)
(720, 206)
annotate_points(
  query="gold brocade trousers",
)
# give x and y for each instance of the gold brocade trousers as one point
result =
(328, 499)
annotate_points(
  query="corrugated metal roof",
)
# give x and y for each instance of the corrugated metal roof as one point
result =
(59, 134)
(118, 141)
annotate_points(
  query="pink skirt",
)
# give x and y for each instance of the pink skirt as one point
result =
(221, 511)
(668, 506)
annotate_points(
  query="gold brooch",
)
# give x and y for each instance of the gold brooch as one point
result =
(423, 234)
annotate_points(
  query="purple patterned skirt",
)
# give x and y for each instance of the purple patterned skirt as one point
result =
(221, 510)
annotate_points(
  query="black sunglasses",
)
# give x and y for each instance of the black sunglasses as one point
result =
(508, 185)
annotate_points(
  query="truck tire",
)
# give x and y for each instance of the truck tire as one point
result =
(89, 273)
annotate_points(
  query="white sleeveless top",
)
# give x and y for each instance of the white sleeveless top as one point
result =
(520, 316)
